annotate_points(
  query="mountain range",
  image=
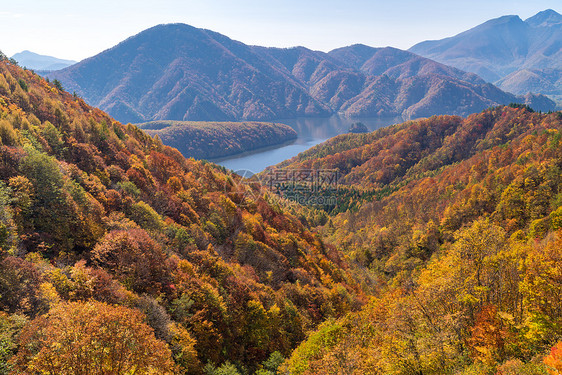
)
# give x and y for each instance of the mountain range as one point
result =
(179, 72)
(444, 257)
(35, 61)
(519, 56)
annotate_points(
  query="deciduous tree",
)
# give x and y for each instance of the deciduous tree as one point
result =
(91, 338)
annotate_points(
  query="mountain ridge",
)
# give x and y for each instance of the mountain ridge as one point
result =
(35, 61)
(179, 72)
(499, 49)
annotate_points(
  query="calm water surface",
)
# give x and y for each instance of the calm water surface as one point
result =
(311, 131)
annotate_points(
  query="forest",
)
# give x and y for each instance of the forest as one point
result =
(211, 140)
(458, 223)
(118, 255)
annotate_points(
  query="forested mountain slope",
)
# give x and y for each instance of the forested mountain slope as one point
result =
(115, 246)
(210, 139)
(458, 220)
(179, 72)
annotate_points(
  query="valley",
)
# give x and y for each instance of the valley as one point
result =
(434, 217)
(183, 203)
(311, 131)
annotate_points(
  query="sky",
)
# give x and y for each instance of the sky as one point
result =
(77, 29)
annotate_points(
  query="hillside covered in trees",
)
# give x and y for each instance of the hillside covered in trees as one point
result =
(118, 255)
(458, 222)
(208, 140)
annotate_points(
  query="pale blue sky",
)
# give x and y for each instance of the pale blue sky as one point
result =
(76, 29)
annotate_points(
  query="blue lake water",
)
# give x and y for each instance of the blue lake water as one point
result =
(311, 131)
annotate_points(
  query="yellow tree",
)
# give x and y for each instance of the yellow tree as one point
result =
(91, 338)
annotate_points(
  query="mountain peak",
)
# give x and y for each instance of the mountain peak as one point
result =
(36, 61)
(547, 17)
(360, 46)
(176, 72)
(168, 28)
(509, 19)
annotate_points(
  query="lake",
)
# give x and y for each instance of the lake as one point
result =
(311, 131)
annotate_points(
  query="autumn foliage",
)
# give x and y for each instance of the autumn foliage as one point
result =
(457, 222)
(554, 360)
(118, 255)
(91, 338)
(100, 222)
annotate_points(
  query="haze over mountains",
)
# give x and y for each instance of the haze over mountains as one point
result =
(519, 56)
(35, 61)
(178, 72)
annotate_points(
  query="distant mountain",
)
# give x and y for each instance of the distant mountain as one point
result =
(178, 72)
(208, 140)
(520, 56)
(397, 63)
(35, 61)
(403, 83)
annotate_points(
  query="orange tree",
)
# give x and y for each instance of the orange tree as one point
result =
(91, 338)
